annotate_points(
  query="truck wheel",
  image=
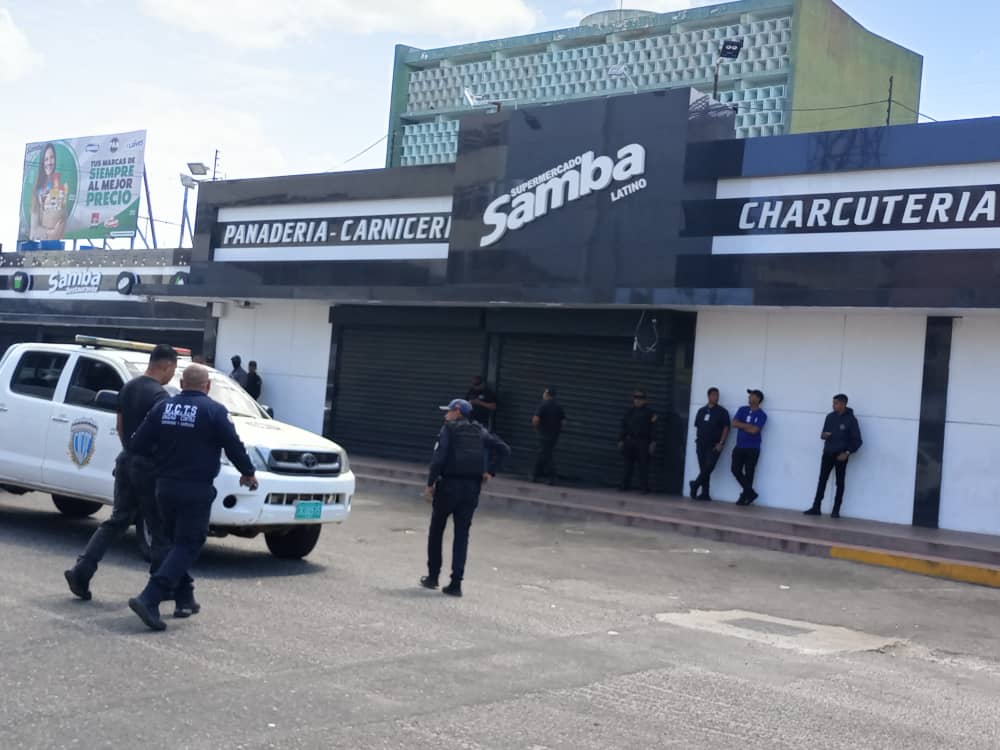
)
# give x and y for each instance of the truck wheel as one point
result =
(143, 539)
(295, 543)
(74, 507)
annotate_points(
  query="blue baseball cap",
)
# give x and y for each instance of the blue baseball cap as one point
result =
(458, 403)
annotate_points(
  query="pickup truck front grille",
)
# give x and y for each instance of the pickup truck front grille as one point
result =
(304, 462)
(290, 498)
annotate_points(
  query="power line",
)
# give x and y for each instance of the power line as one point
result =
(360, 153)
(918, 114)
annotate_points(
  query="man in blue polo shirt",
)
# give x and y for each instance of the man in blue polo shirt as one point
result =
(748, 423)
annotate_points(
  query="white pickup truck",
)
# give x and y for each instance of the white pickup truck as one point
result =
(57, 435)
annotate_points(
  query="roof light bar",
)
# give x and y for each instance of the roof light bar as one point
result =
(132, 346)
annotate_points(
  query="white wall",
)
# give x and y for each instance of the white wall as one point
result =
(970, 487)
(800, 359)
(291, 343)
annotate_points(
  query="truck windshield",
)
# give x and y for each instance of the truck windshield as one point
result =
(224, 390)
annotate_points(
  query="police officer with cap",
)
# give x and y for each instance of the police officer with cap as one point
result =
(637, 439)
(185, 435)
(466, 455)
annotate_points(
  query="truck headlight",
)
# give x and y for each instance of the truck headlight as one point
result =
(258, 458)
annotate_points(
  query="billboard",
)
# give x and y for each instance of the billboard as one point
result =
(82, 188)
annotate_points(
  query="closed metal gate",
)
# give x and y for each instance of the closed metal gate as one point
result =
(390, 383)
(595, 378)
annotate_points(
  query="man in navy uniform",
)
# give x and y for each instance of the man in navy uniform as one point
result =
(185, 435)
(749, 422)
(637, 440)
(135, 482)
(465, 456)
(841, 438)
(548, 421)
(711, 425)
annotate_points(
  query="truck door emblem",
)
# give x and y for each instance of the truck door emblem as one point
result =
(82, 441)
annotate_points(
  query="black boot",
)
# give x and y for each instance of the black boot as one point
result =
(453, 589)
(79, 584)
(836, 511)
(813, 511)
(148, 611)
(693, 484)
(429, 582)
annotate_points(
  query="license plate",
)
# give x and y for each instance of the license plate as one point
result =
(311, 510)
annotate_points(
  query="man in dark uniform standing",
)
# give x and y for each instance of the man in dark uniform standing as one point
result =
(749, 421)
(466, 455)
(185, 435)
(711, 424)
(483, 400)
(254, 382)
(135, 480)
(637, 440)
(548, 422)
(841, 438)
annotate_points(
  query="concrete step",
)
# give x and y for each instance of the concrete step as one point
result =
(758, 526)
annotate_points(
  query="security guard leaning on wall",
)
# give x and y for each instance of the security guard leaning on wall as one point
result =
(466, 455)
(185, 435)
(637, 440)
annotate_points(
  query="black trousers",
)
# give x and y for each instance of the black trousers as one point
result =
(708, 457)
(636, 451)
(186, 508)
(545, 465)
(744, 467)
(828, 464)
(459, 499)
(135, 494)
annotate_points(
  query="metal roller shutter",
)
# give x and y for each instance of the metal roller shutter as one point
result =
(595, 378)
(390, 383)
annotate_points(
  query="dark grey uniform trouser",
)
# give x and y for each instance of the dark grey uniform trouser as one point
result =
(135, 494)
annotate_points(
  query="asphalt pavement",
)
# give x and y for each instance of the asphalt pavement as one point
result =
(570, 635)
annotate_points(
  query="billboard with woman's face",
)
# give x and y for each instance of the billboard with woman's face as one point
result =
(82, 188)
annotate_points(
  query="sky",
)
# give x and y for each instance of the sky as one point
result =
(302, 86)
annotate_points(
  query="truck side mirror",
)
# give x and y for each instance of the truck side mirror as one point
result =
(106, 400)
(269, 410)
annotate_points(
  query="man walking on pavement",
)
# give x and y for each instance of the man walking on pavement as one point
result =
(637, 440)
(238, 374)
(841, 438)
(749, 421)
(185, 434)
(712, 429)
(135, 481)
(548, 422)
(465, 455)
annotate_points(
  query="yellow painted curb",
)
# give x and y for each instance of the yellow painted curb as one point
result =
(955, 571)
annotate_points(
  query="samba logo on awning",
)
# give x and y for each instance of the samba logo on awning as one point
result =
(563, 184)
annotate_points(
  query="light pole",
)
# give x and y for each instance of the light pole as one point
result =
(729, 50)
(189, 183)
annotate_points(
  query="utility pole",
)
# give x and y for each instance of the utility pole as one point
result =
(888, 114)
(215, 164)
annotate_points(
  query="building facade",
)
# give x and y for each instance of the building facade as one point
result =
(54, 296)
(614, 242)
(805, 66)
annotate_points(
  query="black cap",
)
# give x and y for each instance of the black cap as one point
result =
(754, 392)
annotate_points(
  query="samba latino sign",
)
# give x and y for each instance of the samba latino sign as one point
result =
(82, 188)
